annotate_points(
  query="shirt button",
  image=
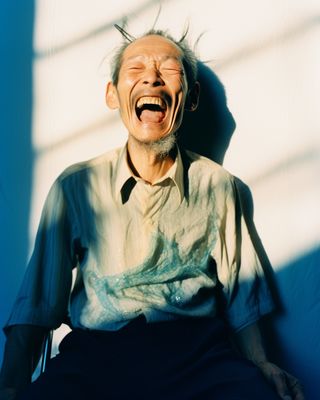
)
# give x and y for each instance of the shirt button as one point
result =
(177, 299)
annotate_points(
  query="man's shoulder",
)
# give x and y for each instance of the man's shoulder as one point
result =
(106, 161)
(203, 166)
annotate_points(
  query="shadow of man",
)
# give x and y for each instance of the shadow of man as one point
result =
(208, 131)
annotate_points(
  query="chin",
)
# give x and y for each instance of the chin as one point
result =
(160, 146)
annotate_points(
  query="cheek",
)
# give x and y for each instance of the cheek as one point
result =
(182, 87)
(125, 89)
(181, 94)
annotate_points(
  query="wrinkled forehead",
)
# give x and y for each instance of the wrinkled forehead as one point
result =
(152, 46)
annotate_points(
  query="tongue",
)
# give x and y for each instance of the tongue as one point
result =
(151, 116)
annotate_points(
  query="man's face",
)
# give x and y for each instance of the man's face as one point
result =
(151, 89)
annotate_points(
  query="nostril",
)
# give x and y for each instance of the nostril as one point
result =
(155, 83)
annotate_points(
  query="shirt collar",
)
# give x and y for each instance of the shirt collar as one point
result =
(124, 175)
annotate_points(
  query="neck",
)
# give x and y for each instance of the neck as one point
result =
(147, 163)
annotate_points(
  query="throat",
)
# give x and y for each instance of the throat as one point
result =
(148, 164)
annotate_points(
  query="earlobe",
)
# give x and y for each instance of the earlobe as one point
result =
(112, 96)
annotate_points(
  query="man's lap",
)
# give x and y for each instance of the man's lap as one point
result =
(185, 359)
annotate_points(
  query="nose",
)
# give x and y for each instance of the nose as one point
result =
(152, 77)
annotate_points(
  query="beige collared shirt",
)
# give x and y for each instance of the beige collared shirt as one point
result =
(177, 248)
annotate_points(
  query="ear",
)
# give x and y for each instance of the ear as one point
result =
(193, 97)
(112, 100)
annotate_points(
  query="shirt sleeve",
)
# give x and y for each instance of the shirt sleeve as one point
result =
(246, 293)
(44, 294)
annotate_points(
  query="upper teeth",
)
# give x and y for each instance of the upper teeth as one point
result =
(151, 100)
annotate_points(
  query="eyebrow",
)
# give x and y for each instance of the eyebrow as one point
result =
(163, 58)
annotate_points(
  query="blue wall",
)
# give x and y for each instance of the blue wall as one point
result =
(16, 159)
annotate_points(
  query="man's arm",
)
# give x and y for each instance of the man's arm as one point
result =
(22, 353)
(250, 343)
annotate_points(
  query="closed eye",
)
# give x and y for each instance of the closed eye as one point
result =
(172, 70)
(135, 69)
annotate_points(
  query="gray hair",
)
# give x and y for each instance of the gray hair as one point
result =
(189, 59)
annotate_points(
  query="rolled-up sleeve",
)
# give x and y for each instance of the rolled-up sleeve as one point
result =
(44, 294)
(246, 292)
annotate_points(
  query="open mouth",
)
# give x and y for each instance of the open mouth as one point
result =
(151, 109)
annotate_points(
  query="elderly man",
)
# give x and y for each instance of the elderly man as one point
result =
(165, 264)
